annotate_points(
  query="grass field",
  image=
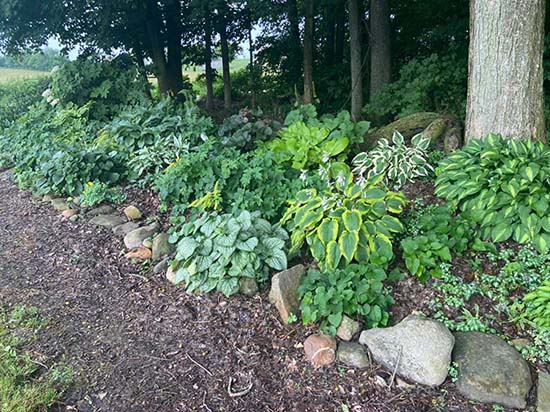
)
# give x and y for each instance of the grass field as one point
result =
(9, 75)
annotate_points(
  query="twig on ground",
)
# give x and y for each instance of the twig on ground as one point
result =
(199, 365)
(204, 405)
(395, 369)
(244, 392)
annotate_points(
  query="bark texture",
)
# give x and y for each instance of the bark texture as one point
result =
(356, 59)
(505, 81)
(209, 72)
(380, 43)
(309, 29)
(225, 65)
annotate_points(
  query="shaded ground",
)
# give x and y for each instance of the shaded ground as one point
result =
(138, 344)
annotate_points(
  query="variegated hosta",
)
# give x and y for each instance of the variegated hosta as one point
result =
(348, 223)
(502, 184)
(397, 162)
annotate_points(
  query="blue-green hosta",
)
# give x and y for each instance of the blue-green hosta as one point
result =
(396, 162)
(349, 222)
(215, 251)
(502, 185)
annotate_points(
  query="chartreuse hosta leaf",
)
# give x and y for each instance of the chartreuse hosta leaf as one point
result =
(503, 185)
(351, 222)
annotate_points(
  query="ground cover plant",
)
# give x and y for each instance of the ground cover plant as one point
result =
(24, 385)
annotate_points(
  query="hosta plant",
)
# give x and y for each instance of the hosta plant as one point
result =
(304, 146)
(395, 161)
(502, 184)
(354, 291)
(215, 251)
(537, 306)
(347, 223)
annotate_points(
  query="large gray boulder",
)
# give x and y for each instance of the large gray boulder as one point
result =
(284, 291)
(490, 370)
(125, 228)
(418, 349)
(161, 246)
(101, 210)
(543, 393)
(135, 238)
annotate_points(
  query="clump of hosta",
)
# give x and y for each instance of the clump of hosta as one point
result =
(396, 161)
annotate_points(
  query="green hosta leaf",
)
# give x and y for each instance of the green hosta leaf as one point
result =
(352, 220)
(374, 194)
(318, 249)
(186, 247)
(348, 244)
(397, 138)
(335, 319)
(335, 147)
(502, 232)
(334, 255)
(393, 224)
(542, 242)
(328, 230)
(521, 234)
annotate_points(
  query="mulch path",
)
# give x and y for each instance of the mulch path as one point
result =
(138, 344)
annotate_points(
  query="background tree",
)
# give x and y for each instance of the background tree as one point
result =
(380, 45)
(505, 84)
(355, 20)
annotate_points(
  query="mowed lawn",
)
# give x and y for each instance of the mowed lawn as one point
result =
(9, 75)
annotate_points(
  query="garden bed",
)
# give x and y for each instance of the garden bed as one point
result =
(138, 344)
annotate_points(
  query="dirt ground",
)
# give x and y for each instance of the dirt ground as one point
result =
(138, 344)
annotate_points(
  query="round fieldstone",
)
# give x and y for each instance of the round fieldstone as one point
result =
(353, 355)
(320, 350)
(108, 221)
(490, 370)
(419, 349)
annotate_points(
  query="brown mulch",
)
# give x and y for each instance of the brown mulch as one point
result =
(138, 344)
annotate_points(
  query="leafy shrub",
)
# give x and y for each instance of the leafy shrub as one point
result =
(347, 221)
(252, 181)
(437, 234)
(397, 163)
(216, 251)
(339, 126)
(356, 290)
(246, 129)
(304, 146)
(151, 137)
(109, 84)
(16, 98)
(95, 193)
(502, 185)
(537, 305)
(436, 83)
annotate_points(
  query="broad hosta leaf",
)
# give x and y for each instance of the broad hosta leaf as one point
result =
(352, 220)
(502, 232)
(249, 245)
(334, 255)
(328, 230)
(348, 244)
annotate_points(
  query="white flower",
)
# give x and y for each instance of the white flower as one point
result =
(326, 157)
(54, 102)
(341, 179)
(47, 93)
(303, 175)
(204, 137)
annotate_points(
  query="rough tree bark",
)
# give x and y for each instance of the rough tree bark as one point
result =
(209, 73)
(225, 63)
(380, 44)
(309, 29)
(295, 47)
(505, 81)
(356, 59)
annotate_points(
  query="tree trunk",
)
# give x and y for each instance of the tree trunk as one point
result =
(308, 52)
(380, 43)
(340, 33)
(174, 32)
(356, 59)
(295, 42)
(138, 52)
(252, 67)
(505, 81)
(208, 62)
(225, 64)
